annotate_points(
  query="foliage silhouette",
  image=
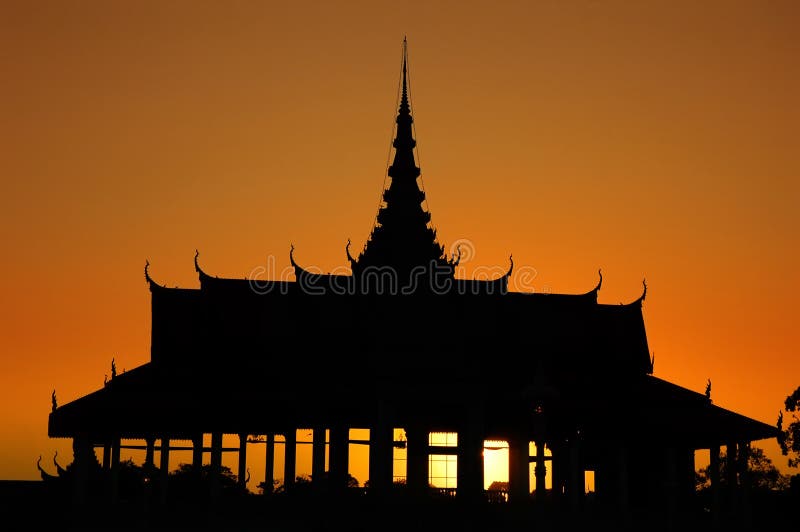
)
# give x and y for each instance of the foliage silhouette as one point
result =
(190, 483)
(763, 475)
(789, 438)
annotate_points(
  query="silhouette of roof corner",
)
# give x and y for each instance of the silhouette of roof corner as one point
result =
(149, 279)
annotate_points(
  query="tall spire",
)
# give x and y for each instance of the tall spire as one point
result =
(404, 106)
(402, 238)
(404, 166)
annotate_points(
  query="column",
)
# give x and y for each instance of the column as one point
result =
(518, 469)
(197, 453)
(149, 456)
(713, 470)
(290, 459)
(216, 464)
(670, 481)
(114, 448)
(380, 457)
(686, 478)
(731, 478)
(417, 460)
(164, 473)
(540, 471)
(623, 482)
(318, 456)
(81, 449)
(339, 456)
(744, 483)
(107, 456)
(576, 488)
(558, 469)
(269, 470)
(241, 478)
(470, 466)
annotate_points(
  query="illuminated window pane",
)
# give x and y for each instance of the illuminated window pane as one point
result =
(442, 470)
(399, 456)
(443, 439)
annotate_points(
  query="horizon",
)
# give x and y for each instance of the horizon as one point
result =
(653, 143)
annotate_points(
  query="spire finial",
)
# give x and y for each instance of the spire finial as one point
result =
(404, 99)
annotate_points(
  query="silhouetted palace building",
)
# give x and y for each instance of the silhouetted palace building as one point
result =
(403, 344)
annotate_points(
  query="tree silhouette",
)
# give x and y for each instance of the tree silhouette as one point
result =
(189, 482)
(789, 438)
(763, 475)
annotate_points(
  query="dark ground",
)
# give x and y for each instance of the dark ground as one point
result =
(28, 505)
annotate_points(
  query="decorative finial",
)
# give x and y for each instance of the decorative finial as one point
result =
(113, 368)
(708, 389)
(349, 256)
(600, 282)
(510, 265)
(196, 264)
(291, 256)
(404, 99)
(53, 400)
(147, 277)
(60, 470)
(644, 293)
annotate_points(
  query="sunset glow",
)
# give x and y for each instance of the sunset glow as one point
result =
(649, 140)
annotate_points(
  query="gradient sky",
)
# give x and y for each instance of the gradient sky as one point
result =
(649, 139)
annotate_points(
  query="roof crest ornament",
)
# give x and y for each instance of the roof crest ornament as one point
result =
(147, 276)
(349, 256)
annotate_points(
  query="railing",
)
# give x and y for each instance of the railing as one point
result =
(496, 496)
(447, 492)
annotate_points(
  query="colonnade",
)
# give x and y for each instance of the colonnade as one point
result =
(618, 476)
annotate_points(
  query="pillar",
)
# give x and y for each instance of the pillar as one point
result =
(518, 469)
(470, 465)
(290, 459)
(686, 478)
(241, 478)
(381, 454)
(197, 453)
(269, 469)
(164, 473)
(417, 460)
(81, 449)
(576, 481)
(744, 483)
(731, 478)
(114, 450)
(713, 470)
(623, 480)
(339, 456)
(318, 456)
(149, 455)
(216, 464)
(107, 456)
(540, 471)
(557, 464)
(670, 483)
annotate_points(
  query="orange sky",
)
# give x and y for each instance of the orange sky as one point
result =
(649, 139)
